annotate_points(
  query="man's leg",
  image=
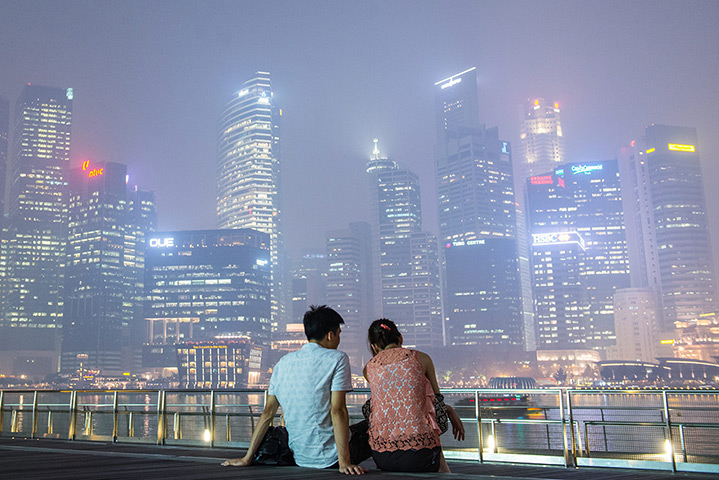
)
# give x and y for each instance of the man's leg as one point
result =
(359, 442)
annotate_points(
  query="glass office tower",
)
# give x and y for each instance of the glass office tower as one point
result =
(104, 275)
(248, 174)
(406, 259)
(579, 253)
(473, 168)
(37, 231)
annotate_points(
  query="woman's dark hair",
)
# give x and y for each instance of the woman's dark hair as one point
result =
(383, 332)
(321, 320)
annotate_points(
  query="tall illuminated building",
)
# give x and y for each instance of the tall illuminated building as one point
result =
(475, 191)
(406, 258)
(248, 175)
(579, 253)
(104, 276)
(37, 231)
(541, 150)
(679, 221)
(541, 139)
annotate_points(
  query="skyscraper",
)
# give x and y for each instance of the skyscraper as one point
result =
(576, 224)
(475, 191)
(406, 259)
(37, 230)
(542, 139)
(349, 285)
(542, 149)
(104, 272)
(456, 104)
(679, 220)
(248, 174)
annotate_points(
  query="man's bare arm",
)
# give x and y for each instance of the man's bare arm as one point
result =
(262, 425)
(341, 427)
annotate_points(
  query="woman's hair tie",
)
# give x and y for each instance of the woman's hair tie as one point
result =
(384, 326)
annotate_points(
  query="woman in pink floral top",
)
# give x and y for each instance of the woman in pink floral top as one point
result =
(403, 431)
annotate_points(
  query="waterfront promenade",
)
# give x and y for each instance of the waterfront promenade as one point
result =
(41, 459)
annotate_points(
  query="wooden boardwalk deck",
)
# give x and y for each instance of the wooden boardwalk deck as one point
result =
(64, 460)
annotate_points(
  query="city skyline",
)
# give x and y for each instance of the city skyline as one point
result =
(176, 159)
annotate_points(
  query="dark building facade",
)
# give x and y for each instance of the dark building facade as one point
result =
(475, 190)
(579, 253)
(483, 293)
(104, 273)
(37, 231)
(207, 284)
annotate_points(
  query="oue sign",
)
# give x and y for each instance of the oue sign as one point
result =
(162, 242)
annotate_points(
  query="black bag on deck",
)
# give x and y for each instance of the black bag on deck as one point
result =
(274, 449)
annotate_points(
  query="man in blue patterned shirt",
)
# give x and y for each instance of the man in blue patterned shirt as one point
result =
(311, 387)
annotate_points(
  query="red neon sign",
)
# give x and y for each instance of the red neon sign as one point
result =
(541, 180)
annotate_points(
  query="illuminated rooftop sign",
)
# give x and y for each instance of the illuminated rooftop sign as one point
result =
(677, 147)
(541, 180)
(586, 169)
(558, 238)
(452, 82)
(462, 243)
(96, 172)
(162, 242)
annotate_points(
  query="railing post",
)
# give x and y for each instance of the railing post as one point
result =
(50, 428)
(227, 428)
(73, 416)
(88, 423)
(494, 444)
(160, 417)
(33, 430)
(684, 444)
(2, 409)
(13, 422)
(586, 440)
(130, 425)
(478, 415)
(563, 416)
(115, 426)
(604, 430)
(212, 418)
(668, 435)
(177, 423)
(571, 427)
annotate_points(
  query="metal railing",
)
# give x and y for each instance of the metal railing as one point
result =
(658, 429)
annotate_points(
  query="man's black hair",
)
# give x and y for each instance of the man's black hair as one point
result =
(320, 320)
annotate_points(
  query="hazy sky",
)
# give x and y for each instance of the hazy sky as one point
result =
(150, 79)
